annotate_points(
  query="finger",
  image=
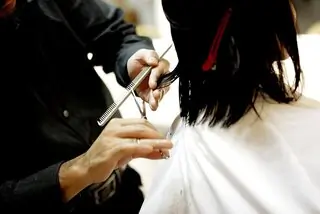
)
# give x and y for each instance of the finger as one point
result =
(128, 148)
(125, 151)
(155, 155)
(153, 102)
(157, 144)
(124, 161)
(156, 96)
(131, 121)
(137, 131)
(159, 93)
(166, 89)
(147, 57)
(161, 69)
(160, 154)
(165, 154)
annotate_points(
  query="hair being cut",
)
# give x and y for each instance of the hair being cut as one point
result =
(256, 37)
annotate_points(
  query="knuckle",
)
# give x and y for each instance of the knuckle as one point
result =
(105, 139)
(115, 132)
(140, 128)
(109, 132)
(112, 132)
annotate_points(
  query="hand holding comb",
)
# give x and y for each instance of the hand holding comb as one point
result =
(108, 114)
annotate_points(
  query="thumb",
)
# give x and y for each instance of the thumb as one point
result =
(149, 57)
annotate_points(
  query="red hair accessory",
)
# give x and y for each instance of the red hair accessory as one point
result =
(212, 57)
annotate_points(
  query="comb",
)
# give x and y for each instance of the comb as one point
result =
(108, 114)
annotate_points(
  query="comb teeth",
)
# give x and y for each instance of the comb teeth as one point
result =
(104, 118)
(109, 110)
(130, 86)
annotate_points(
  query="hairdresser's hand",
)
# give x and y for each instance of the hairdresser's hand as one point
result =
(118, 144)
(147, 90)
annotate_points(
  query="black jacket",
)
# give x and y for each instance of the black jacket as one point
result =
(51, 96)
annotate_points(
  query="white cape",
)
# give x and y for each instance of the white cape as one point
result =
(255, 167)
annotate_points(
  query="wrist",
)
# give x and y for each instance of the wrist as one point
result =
(73, 177)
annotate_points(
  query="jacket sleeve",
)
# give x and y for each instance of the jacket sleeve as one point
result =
(37, 192)
(107, 36)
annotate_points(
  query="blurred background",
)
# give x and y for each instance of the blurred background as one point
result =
(148, 17)
(308, 12)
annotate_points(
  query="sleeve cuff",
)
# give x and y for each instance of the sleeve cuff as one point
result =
(47, 188)
(121, 70)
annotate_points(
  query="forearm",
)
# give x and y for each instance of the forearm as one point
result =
(73, 178)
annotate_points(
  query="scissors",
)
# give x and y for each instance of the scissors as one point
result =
(142, 108)
(143, 113)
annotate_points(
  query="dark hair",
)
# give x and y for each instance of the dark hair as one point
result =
(257, 35)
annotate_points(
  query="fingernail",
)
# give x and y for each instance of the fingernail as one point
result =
(153, 107)
(164, 156)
